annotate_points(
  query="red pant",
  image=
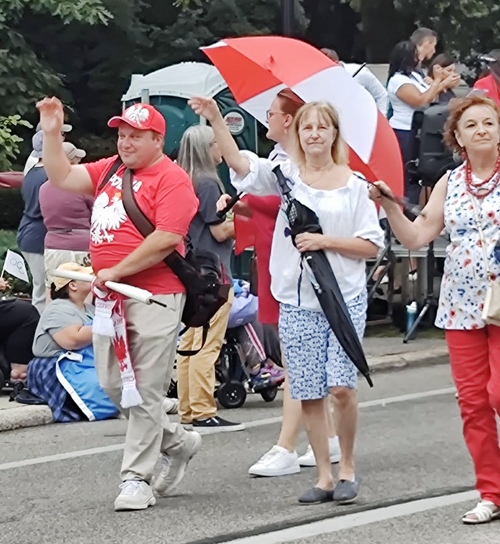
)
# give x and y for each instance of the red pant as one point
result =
(475, 364)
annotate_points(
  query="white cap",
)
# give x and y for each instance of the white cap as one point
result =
(72, 152)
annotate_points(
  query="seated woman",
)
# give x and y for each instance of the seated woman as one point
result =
(18, 322)
(62, 372)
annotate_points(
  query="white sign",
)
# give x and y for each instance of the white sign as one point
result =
(235, 122)
(14, 264)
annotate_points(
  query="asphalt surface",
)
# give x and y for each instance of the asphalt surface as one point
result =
(58, 482)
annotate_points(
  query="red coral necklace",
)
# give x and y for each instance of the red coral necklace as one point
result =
(482, 189)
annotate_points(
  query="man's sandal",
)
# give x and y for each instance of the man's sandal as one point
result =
(484, 512)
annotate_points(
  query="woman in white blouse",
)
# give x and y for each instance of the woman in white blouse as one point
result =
(407, 92)
(319, 178)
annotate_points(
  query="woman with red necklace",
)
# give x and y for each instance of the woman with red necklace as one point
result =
(466, 202)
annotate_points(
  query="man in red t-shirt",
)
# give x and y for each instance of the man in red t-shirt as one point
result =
(165, 194)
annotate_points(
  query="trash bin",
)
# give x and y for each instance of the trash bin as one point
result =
(169, 89)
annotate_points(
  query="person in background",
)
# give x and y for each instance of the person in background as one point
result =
(490, 82)
(466, 202)
(33, 159)
(31, 231)
(365, 77)
(199, 155)
(444, 64)
(408, 91)
(281, 459)
(66, 217)
(18, 322)
(425, 41)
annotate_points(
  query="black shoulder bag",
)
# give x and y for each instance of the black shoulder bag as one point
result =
(201, 271)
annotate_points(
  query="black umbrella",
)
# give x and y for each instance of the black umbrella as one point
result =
(302, 219)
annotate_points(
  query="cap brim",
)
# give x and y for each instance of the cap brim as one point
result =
(67, 128)
(80, 153)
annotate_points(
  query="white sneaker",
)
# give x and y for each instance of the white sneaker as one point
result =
(308, 459)
(277, 461)
(134, 495)
(174, 466)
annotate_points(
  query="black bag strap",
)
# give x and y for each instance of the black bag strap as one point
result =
(191, 352)
(142, 222)
(112, 171)
(146, 227)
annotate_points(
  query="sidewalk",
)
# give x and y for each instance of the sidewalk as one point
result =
(382, 352)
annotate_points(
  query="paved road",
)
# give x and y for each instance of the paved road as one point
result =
(58, 482)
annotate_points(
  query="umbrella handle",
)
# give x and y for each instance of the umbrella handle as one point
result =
(283, 185)
(232, 202)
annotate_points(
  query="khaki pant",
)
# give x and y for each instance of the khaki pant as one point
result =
(152, 335)
(196, 374)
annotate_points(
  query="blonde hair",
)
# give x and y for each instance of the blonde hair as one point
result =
(194, 155)
(327, 113)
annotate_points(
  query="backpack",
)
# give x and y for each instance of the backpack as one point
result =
(201, 271)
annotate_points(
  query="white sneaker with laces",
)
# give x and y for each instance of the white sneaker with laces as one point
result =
(134, 495)
(174, 466)
(308, 459)
(277, 461)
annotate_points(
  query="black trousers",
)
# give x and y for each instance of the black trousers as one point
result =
(405, 139)
(18, 322)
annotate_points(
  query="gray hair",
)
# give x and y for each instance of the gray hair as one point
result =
(194, 155)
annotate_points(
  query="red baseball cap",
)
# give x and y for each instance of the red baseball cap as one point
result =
(142, 117)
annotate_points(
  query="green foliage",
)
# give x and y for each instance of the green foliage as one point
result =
(465, 26)
(9, 141)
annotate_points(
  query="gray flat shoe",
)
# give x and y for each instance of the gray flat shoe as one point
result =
(346, 491)
(316, 495)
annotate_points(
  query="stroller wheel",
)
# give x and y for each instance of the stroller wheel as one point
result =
(269, 394)
(232, 394)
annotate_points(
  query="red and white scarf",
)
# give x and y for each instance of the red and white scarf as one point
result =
(110, 321)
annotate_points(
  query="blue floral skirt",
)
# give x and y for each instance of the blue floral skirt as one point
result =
(314, 358)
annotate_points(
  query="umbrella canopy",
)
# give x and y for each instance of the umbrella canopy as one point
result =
(257, 68)
(302, 219)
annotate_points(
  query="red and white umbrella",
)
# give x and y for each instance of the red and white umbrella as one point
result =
(257, 68)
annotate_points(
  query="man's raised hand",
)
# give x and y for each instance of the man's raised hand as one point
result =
(51, 115)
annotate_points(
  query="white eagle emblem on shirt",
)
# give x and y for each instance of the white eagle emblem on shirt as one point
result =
(107, 216)
(137, 114)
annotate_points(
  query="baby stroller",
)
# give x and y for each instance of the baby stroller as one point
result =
(248, 355)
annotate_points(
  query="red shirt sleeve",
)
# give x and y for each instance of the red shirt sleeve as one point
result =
(176, 203)
(97, 170)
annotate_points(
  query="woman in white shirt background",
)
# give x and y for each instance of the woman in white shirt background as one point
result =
(319, 178)
(408, 92)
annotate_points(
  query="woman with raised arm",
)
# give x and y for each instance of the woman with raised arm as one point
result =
(319, 178)
(281, 459)
(466, 202)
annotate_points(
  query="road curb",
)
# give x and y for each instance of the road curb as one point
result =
(434, 356)
(24, 416)
(32, 416)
